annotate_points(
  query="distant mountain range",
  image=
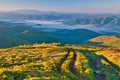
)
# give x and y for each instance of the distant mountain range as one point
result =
(107, 21)
(12, 34)
(28, 14)
(37, 15)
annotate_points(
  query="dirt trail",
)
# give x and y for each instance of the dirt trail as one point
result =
(72, 63)
(95, 63)
(72, 69)
(110, 70)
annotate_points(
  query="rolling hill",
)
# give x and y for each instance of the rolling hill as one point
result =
(111, 41)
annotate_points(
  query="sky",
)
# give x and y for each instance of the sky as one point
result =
(90, 6)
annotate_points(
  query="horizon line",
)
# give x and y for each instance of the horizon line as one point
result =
(84, 12)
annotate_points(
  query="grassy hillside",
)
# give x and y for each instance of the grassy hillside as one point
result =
(111, 41)
(56, 62)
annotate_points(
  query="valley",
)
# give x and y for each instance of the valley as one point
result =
(21, 32)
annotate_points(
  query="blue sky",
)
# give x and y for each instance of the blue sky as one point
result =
(92, 6)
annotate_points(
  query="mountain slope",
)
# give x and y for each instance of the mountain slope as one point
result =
(76, 36)
(5, 42)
